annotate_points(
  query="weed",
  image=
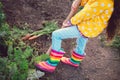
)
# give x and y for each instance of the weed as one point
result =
(116, 42)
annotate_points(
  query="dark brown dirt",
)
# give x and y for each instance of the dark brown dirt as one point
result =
(33, 12)
(101, 63)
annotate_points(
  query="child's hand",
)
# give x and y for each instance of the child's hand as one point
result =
(66, 24)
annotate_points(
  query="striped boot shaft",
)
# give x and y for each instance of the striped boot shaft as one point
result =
(52, 62)
(55, 58)
(76, 58)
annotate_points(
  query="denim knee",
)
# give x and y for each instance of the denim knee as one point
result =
(55, 34)
(79, 51)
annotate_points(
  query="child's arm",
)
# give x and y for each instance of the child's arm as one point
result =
(74, 9)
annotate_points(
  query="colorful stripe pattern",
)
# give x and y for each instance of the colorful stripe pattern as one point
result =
(74, 60)
(51, 63)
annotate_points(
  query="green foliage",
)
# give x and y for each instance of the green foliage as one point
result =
(42, 57)
(14, 66)
(18, 32)
(18, 61)
(80, 8)
(113, 43)
(4, 31)
(27, 52)
(3, 68)
(2, 16)
(116, 42)
(19, 57)
(49, 27)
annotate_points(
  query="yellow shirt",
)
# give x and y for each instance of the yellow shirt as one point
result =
(94, 17)
(83, 2)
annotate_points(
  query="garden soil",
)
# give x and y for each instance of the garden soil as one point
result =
(101, 62)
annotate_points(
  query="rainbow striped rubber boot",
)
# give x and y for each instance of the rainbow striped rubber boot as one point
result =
(51, 63)
(74, 61)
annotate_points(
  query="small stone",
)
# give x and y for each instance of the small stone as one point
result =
(34, 74)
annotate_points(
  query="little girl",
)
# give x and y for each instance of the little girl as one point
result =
(82, 25)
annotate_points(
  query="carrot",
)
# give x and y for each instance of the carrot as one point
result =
(26, 37)
(33, 37)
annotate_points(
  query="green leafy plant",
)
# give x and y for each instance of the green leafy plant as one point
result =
(42, 57)
(3, 68)
(48, 27)
(4, 33)
(2, 15)
(19, 59)
(116, 42)
(15, 65)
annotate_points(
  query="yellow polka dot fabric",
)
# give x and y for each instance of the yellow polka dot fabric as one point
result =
(83, 2)
(94, 17)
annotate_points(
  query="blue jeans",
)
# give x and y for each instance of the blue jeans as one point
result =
(69, 32)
